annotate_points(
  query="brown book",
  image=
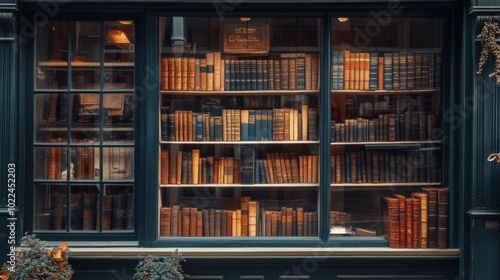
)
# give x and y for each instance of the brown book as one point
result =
(172, 168)
(179, 167)
(409, 222)
(267, 223)
(192, 221)
(238, 222)
(416, 222)
(223, 222)
(244, 215)
(59, 200)
(277, 167)
(217, 222)
(164, 73)
(164, 167)
(184, 73)
(423, 219)
(107, 211)
(216, 171)
(308, 72)
(178, 73)
(252, 217)
(287, 171)
(211, 222)
(282, 221)
(186, 226)
(277, 74)
(289, 221)
(89, 209)
(300, 221)
(295, 168)
(380, 73)
(217, 71)
(195, 166)
(229, 223)
(270, 168)
(199, 223)
(432, 216)
(442, 225)
(206, 224)
(165, 214)
(315, 71)
(119, 211)
(174, 220)
(284, 63)
(203, 74)
(171, 73)
(402, 220)
(391, 221)
(190, 73)
(274, 223)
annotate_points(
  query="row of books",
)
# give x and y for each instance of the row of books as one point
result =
(384, 166)
(417, 221)
(117, 212)
(282, 124)
(117, 163)
(249, 220)
(287, 71)
(410, 126)
(189, 167)
(405, 70)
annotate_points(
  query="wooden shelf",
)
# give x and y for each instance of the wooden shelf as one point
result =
(78, 129)
(84, 64)
(236, 142)
(386, 143)
(386, 92)
(375, 185)
(284, 185)
(242, 92)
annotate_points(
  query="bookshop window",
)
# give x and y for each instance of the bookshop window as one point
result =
(84, 126)
(239, 141)
(386, 111)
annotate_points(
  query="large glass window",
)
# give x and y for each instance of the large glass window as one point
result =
(385, 159)
(84, 126)
(239, 141)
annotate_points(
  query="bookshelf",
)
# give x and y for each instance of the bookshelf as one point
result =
(385, 141)
(84, 136)
(239, 131)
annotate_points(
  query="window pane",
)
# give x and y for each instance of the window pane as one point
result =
(85, 117)
(52, 56)
(51, 117)
(118, 117)
(50, 207)
(119, 54)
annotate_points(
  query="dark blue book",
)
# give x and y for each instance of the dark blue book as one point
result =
(210, 170)
(262, 171)
(251, 125)
(199, 127)
(263, 125)
(301, 71)
(265, 75)
(171, 127)
(227, 75)
(237, 74)
(258, 125)
(347, 168)
(335, 70)
(248, 165)
(388, 71)
(340, 63)
(253, 75)
(257, 179)
(373, 71)
(211, 125)
(260, 74)
(218, 128)
(247, 68)
(269, 115)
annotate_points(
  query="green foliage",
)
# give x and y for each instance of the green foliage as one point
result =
(160, 268)
(489, 46)
(34, 261)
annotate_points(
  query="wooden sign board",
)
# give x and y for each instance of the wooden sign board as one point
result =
(246, 38)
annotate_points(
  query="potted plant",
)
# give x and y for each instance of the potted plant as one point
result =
(160, 268)
(34, 261)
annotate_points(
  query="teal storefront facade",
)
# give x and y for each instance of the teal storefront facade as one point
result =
(34, 69)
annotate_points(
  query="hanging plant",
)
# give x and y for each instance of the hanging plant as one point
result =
(489, 46)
